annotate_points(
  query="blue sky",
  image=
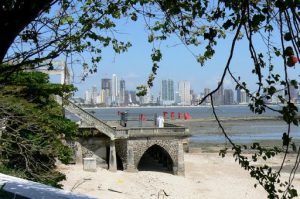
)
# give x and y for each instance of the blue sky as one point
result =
(178, 63)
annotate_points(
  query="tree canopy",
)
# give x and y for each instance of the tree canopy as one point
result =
(33, 128)
(33, 33)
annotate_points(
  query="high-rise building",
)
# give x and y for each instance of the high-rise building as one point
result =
(177, 97)
(218, 96)
(228, 96)
(106, 84)
(126, 98)
(106, 91)
(94, 95)
(167, 92)
(195, 97)
(114, 90)
(184, 90)
(206, 92)
(122, 91)
(238, 95)
(88, 97)
(247, 98)
(132, 97)
(243, 97)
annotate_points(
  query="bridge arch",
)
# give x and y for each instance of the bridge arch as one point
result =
(156, 158)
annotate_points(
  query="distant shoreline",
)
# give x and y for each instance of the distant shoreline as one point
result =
(172, 106)
(253, 118)
(191, 106)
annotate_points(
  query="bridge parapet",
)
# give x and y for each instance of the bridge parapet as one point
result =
(122, 133)
(89, 119)
(158, 132)
(125, 133)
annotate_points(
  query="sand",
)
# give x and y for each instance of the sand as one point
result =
(207, 175)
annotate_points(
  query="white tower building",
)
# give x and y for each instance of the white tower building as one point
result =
(184, 89)
(114, 89)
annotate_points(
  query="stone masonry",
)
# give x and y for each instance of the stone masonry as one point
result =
(130, 151)
(137, 147)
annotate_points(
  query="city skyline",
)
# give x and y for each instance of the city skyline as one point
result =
(113, 92)
(156, 90)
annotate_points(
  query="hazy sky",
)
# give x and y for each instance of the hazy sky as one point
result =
(178, 62)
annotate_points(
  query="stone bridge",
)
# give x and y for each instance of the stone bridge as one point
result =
(130, 149)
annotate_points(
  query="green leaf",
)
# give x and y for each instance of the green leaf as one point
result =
(272, 90)
(286, 139)
(141, 90)
(150, 38)
(156, 55)
(67, 20)
(293, 193)
(294, 83)
(134, 17)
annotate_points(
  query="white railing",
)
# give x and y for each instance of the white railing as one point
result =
(15, 187)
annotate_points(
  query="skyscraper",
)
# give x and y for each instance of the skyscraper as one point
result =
(88, 97)
(184, 89)
(132, 97)
(106, 84)
(167, 92)
(238, 95)
(114, 90)
(127, 98)
(122, 91)
(243, 97)
(218, 96)
(94, 95)
(177, 97)
(207, 100)
(106, 91)
(228, 96)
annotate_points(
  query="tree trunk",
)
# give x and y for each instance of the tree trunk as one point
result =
(14, 17)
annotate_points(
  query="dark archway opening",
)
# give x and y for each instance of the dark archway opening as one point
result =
(156, 158)
(119, 163)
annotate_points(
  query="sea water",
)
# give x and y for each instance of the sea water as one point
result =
(244, 132)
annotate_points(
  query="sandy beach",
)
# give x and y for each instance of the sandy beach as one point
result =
(207, 175)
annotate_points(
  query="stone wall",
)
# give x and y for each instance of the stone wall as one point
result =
(172, 146)
(140, 146)
(95, 147)
(130, 151)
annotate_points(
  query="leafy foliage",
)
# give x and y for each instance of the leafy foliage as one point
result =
(33, 128)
